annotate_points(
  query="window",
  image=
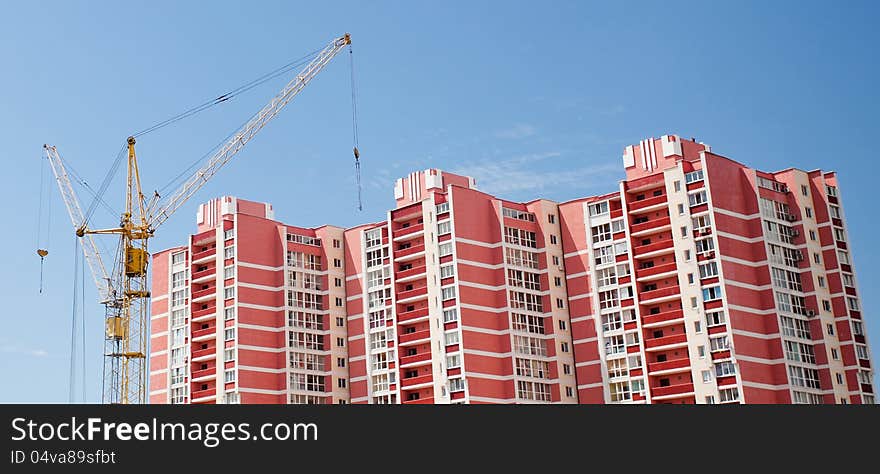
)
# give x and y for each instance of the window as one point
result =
(340, 342)
(839, 234)
(620, 391)
(456, 384)
(598, 209)
(532, 368)
(178, 336)
(807, 398)
(603, 255)
(708, 270)
(701, 351)
(835, 211)
(559, 304)
(375, 257)
(701, 223)
(707, 376)
(523, 279)
(338, 302)
(681, 209)
(551, 218)
(609, 299)
(677, 185)
(618, 226)
(303, 239)
(229, 252)
(229, 292)
(795, 328)
(826, 305)
(852, 303)
(229, 313)
(519, 215)
(808, 211)
(862, 351)
(450, 315)
(835, 355)
(848, 280)
(341, 383)
(526, 301)
(563, 347)
(229, 334)
(724, 369)
(373, 237)
(178, 279)
(820, 281)
(687, 255)
(451, 338)
(442, 208)
(229, 354)
(693, 301)
(617, 368)
(803, 377)
(178, 317)
(444, 228)
(857, 328)
(697, 198)
(817, 259)
(831, 190)
(787, 279)
(804, 190)
(553, 239)
(719, 343)
(447, 293)
(566, 369)
(698, 327)
(714, 318)
(445, 249)
(693, 176)
(606, 276)
(533, 391)
(178, 257)
(229, 376)
(611, 322)
(446, 271)
(304, 261)
(557, 281)
(601, 233)
(812, 235)
(711, 293)
(453, 361)
(340, 321)
(178, 297)
(728, 395)
(799, 352)
(772, 185)
(790, 303)
(830, 328)
(620, 248)
(710, 399)
(337, 243)
(614, 345)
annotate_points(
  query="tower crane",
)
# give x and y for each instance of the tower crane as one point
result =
(124, 291)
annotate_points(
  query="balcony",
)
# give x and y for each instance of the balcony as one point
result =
(414, 381)
(411, 231)
(411, 315)
(660, 294)
(644, 273)
(403, 275)
(678, 339)
(409, 338)
(668, 366)
(203, 354)
(420, 401)
(203, 374)
(656, 247)
(203, 255)
(660, 319)
(673, 391)
(204, 275)
(204, 312)
(645, 227)
(400, 255)
(412, 295)
(415, 359)
(197, 394)
(634, 206)
(204, 333)
(203, 295)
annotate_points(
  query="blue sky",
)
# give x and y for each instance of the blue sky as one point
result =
(534, 99)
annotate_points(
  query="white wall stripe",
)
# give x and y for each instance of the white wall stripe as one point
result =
(740, 238)
(265, 370)
(576, 275)
(480, 264)
(739, 332)
(482, 308)
(740, 261)
(478, 243)
(747, 217)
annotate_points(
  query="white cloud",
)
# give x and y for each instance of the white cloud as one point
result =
(11, 349)
(518, 131)
(517, 174)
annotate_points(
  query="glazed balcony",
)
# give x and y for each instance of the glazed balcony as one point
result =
(649, 226)
(677, 339)
(420, 401)
(635, 206)
(407, 339)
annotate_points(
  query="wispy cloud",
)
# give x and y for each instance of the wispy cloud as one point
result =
(12, 349)
(517, 132)
(521, 173)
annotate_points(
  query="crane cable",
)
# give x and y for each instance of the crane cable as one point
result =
(354, 129)
(72, 372)
(43, 244)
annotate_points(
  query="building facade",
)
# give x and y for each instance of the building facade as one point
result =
(699, 280)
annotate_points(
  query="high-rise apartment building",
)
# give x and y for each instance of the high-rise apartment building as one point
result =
(699, 280)
(249, 311)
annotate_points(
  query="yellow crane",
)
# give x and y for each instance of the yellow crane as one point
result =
(124, 292)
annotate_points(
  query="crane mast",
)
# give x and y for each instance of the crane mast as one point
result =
(126, 295)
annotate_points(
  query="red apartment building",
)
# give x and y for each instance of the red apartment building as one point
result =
(700, 280)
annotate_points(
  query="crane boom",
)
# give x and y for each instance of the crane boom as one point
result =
(74, 210)
(246, 133)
